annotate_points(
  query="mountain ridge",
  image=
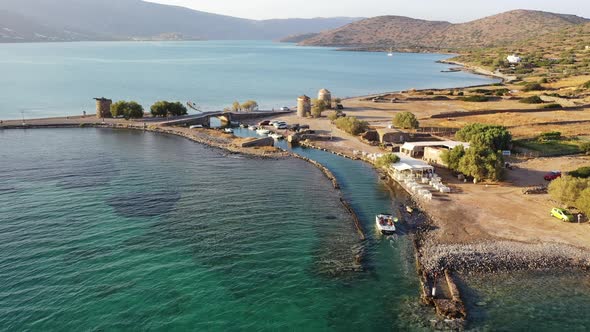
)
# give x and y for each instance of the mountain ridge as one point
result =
(403, 32)
(134, 19)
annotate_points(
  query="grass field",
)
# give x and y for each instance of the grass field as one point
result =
(551, 148)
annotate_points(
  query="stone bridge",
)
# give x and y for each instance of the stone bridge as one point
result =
(204, 118)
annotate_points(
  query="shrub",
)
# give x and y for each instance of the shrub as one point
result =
(386, 160)
(406, 120)
(582, 172)
(165, 108)
(585, 147)
(532, 87)
(567, 189)
(249, 106)
(352, 125)
(318, 107)
(532, 100)
(549, 106)
(460, 93)
(127, 109)
(476, 99)
(550, 136)
(586, 85)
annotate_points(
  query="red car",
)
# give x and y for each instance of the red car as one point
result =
(264, 123)
(552, 175)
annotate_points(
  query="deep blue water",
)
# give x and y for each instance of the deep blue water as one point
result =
(61, 79)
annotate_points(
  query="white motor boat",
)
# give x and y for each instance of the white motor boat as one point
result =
(229, 130)
(263, 132)
(386, 223)
(252, 128)
(277, 136)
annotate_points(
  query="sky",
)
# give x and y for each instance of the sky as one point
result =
(455, 11)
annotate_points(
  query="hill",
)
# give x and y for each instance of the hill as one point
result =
(403, 32)
(559, 54)
(49, 20)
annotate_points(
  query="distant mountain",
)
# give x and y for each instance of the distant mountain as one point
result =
(56, 20)
(404, 32)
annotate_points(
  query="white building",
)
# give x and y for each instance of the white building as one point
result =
(513, 59)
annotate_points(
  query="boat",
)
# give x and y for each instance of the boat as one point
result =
(252, 128)
(277, 136)
(409, 209)
(263, 132)
(229, 130)
(386, 223)
(390, 52)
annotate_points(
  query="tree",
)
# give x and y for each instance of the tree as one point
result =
(165, 108)
(318, 107)
(352, 125)
(567, 189)
(481, 164)
(487, 136)
(387, 160)
(249, 106)
(406, 120)
(583, 202)
(127, 109)
(236, 107)
(452, 157)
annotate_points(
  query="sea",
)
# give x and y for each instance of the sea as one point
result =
(117, 230)
(59, 79)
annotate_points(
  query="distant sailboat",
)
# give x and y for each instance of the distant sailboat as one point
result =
(390, 52)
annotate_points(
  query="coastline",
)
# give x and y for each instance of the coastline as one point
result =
(434, 257)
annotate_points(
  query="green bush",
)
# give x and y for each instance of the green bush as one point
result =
(386, 160)
(352, 125)
(532, 100)
(127, 109)
(165, 108)
(406, 120)
(460, 93)
(550, 136)
(585, 147)
(476, 99)
(549, 106)
(582, 172)
(532, 87)
(586, 85)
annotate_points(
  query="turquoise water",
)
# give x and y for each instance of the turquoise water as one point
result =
(61, 79)
(120, 230)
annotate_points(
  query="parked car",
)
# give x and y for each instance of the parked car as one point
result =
(282, 126)
(264, 123)
(552, 175)
(562, 214)
(285, 108)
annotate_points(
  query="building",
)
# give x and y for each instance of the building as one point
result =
(418, 149)
(514, 59)
(387, 135)
(303, 106)
(326, 96)
(103, 108)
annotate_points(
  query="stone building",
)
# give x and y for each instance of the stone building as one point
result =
(387, 135)
(103, 108)
(303, 106)
(326, 96)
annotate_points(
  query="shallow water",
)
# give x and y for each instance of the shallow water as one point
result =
(104, 230)
(58, 79)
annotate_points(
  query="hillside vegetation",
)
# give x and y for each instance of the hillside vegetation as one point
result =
(407, 33)
(554, 55)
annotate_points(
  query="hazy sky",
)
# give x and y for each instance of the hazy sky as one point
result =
(448, 10)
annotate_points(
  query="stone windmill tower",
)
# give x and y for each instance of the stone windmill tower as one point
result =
(303, 106)
(326, 96)
(103, 108)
